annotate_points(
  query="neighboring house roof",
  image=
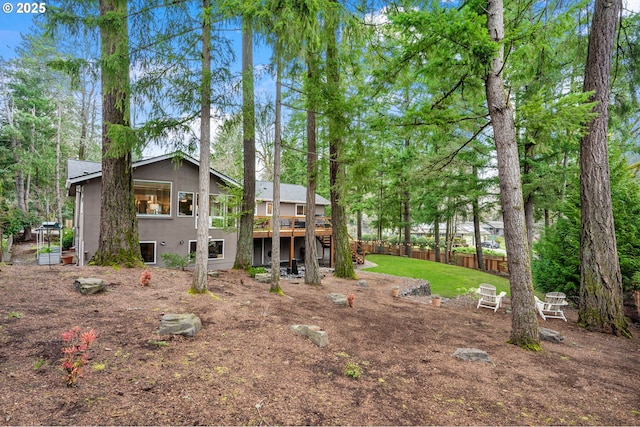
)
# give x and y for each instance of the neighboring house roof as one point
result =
(289, 193)
(80, 170)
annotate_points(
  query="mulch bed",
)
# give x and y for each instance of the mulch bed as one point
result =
(246, 367)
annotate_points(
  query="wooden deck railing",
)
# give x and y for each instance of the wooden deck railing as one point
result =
(289, 225)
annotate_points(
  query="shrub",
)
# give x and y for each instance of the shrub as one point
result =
(67, 238)
(172, 260)
(256, 270)
(145, 278)
(75, 352)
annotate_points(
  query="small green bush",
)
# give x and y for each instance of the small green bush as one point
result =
(176, 261)
(256, 270)
(67, 238)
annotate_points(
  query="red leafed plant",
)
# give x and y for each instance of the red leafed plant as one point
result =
(76, 344)
(145, 278)
(350, 299)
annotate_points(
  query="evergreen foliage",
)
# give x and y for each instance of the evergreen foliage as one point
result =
(556, 265)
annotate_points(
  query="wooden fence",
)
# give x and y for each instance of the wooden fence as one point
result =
(492, 263)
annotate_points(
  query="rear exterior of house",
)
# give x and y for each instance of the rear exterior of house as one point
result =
(166, 194)
(292, 225)
(166, 197)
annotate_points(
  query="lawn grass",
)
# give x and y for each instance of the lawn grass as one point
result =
(445, 280)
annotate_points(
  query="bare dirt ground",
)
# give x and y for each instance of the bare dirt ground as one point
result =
(246, 367)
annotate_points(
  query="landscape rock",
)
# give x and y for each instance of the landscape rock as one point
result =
(338, 299)
(263, 277)
(314, 333)
(415, 287)
(180, 324)
(362, 283)
(88, 285)
(213, 273)
(550, 335)
(471, 354)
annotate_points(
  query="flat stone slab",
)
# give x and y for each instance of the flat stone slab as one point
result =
(88, 285)
(314, 333)
(180, 324)
(263, 277)
(472, 354)
(550, 335)
(338, 299)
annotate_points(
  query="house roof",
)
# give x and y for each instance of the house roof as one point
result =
(289, 193)
(79, 171)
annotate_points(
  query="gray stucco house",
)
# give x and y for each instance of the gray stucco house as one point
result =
(166, 193)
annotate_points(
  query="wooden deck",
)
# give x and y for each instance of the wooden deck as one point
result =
(290, 226)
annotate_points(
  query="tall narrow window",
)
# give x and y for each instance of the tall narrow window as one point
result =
(185, 203)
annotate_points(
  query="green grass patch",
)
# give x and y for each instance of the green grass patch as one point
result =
(446, 280)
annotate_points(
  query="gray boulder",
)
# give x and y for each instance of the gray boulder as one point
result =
(88, 285)
(314, 333)
(362, 283)
(180, 324)
(338, 299)
(471, 354)
(550, 335)
(263, 277)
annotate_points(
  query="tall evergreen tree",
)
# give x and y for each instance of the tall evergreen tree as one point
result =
(118, 241)
(600, 277)
(200, 275)
(524, 324)
(337, 124)
(244, 253)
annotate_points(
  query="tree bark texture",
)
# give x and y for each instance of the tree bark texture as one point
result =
(524, 324)
(119, 242)
(311, 267)
(337, 173)
(200, 273)
(600, 278)
(245, 236)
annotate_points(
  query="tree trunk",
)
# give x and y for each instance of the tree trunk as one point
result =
(119, 242)
(436, 237)
(245, 236)
(311, 267)
(600, 278)
(57, 186)
(275, 219)
(524, 323)
(337, 174)
(200, 274)
(476, 231)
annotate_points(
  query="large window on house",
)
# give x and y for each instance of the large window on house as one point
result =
(148, 250)
(221, 211)
(216, 248)
(185, 203)
(152, 197)
(300, 210)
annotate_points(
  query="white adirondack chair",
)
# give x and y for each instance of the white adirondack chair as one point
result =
(551, 307)
(488, 297)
